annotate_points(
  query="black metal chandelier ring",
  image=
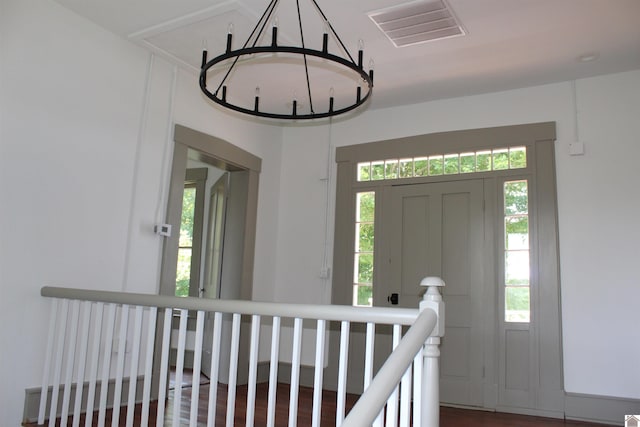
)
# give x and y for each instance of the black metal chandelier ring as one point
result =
(251, 48)
(237, 54)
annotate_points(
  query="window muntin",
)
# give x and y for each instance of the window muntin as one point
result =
(363, 249)
(516, 252)
(444, 164)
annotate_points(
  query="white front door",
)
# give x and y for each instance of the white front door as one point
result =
(438, 230)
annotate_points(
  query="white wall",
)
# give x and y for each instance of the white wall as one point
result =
(302, 221)
(599, 236)
(598, 206)
(85, 141)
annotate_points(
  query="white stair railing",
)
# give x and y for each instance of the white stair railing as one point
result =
(95, 349)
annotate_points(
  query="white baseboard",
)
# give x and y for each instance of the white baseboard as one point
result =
(599, 409)
(579, 407)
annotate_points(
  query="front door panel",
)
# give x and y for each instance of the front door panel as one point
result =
(437, 230)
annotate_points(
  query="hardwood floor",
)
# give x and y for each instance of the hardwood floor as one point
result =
(453, 417)
(305, 404)
(449, 417)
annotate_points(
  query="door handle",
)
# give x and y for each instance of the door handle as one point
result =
(393, 299)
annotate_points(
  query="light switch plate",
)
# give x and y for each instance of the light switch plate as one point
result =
(576, 148)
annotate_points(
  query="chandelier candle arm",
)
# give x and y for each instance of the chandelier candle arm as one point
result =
(257, 99)
(333, 31)
(274, 35)
(204, 52)
(331, 93)
(371, 69)
(204, 57)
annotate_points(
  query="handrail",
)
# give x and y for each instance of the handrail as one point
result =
(391, 372)
(401, 316)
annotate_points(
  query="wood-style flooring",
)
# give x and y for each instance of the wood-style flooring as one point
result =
(449, 417)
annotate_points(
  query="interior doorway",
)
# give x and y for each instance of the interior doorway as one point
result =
(211, 233)
(211, 208)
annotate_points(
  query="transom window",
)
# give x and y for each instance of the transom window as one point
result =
(444, 164)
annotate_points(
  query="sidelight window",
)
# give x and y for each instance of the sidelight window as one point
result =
(363, 250)
(516, 251)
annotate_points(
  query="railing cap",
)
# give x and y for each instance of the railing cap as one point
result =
(431, 281)
(387, 315)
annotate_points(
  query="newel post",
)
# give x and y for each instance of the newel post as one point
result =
(432, 299)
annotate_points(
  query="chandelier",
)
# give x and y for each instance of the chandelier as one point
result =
(331, 82)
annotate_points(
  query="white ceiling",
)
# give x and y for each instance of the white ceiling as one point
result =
(509, 43)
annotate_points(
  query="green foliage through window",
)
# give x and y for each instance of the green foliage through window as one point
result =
(377, 171)
(436, 165)
(365, 237)
(364, 171)
(516, 251)
(365, 268)
(185, 242)
(186, 220)
(421, 167)
(183, 273)
(447, 164)
(467, 162)
(517, 158)
(516, 199)
(500, 160)
(364, 295)
(517, 304)
(451, 165)
(391, 169)
(483, 161)
(406, 168)
(364, 247)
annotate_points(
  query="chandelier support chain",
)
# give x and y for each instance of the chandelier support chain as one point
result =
(274, 53)
(266, 15)
(264, 20)
(306, 65)
(338, 39)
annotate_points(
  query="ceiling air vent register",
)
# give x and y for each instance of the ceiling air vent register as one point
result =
(417, 22)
